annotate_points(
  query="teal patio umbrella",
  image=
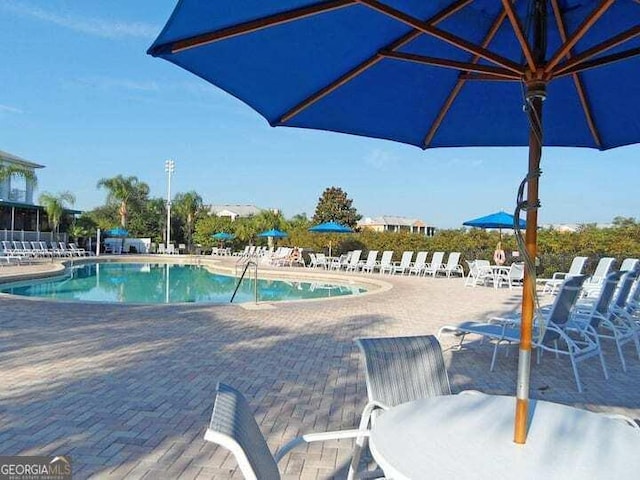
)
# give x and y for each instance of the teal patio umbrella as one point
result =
(330, 227)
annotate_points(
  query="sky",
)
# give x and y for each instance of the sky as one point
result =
(79, 94)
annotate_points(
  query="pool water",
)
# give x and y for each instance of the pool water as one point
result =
(164, 283)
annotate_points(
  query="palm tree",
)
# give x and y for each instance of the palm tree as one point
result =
(55, 206)
(124, 190)
(187, 205)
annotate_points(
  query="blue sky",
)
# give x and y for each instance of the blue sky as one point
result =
(79, 95)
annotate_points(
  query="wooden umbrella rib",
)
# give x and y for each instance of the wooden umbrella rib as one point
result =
(578, 35)
(442, 35)
(258, 24)
(469, 77)
(371, 61)
(600, 62)
(598, 49)
(446, 63)
(460, 82)
(584, 101)
(518, 30)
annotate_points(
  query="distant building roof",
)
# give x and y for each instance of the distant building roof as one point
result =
(573, 227)
(9, 157)
(235, 210)
(391, 220)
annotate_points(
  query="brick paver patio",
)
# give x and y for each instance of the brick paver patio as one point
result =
(127, 390)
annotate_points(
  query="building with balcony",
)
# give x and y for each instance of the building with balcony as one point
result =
(393, 223)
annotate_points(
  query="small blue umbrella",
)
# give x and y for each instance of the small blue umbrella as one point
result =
(330, 227)
(223, 236)
(495, 220)
(275, 233)
(117, 232)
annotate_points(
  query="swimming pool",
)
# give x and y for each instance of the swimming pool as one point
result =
(150, 283)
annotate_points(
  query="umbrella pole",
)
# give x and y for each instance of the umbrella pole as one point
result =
(528, 291)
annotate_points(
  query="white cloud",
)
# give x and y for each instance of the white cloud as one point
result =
(90, 26)
(380, 159)
(108, 83)
(10, 109)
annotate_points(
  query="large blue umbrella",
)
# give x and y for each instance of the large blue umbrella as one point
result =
(330, 227)
(496, 220)
(431, 74)
(275, 233)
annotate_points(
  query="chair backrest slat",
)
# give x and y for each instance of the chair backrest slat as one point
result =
(563, 304)
(233, 419)
(402, 369)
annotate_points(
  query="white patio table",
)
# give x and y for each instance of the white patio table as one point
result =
(471, 437)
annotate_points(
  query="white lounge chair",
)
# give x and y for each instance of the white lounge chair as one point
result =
(404, 264)
(513, 276)
(398, 370)
(552, 331)
(370, 263)
(594, 282)
(386, 264)
(452, 267)
(234, 427)
(435, 265)
(354, 261)
(629, 264)
(420, 263)
(479, 273)
(577, 265)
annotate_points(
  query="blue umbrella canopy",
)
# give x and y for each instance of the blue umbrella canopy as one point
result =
(431, 74)
(330, 227)
(495, 220)
(275, 233)
(223, 236)
(117, 232)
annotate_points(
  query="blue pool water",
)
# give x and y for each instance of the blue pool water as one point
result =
(165, 283)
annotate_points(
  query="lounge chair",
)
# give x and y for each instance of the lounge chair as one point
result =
(577, 265)
(386, 264)
(403, 265)
(354, 261)
(234, 427)
(435, 265)
(398, 370)
(629, 264)
(479, 273)
(452, 266)
(420, 263)
(370, 263)
(594, 282)
(322, 260)
(513, 276)
(608, 315)
(552, 331)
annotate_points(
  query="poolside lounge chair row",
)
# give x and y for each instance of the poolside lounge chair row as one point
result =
(573, 325)
(352, 262)
(26, 251)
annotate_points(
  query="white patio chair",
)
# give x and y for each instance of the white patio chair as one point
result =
(322, 260)
(551, 332)
(370, 263)
(577, 265)
(479, 273)
(419, 264)
(403, 265)
(398, 370)
(386, 264)
(452, 267)
(234, 427)
(435, 264)
(513, 277)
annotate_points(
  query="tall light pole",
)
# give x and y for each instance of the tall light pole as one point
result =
(169, 167)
